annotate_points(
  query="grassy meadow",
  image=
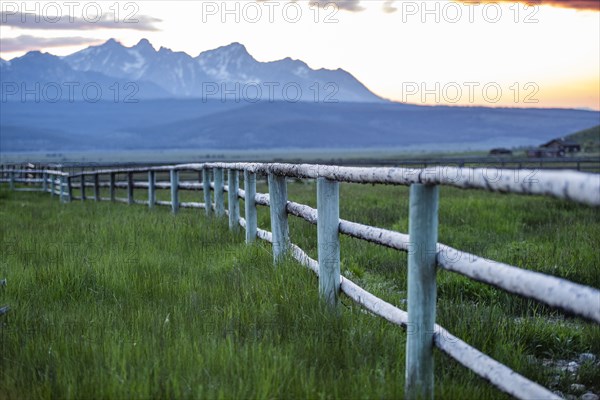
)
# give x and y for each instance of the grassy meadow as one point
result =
(116, 301)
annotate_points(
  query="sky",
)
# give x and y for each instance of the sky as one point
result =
(497, 54)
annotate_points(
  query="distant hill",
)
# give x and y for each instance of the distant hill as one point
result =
(586, 135)
(589, 139)
(196, 124)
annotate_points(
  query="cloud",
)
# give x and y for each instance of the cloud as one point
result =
(348, 5)
(590, 5)
(388, 7)
(27, 42)
(66, 22)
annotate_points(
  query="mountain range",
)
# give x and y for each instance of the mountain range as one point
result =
(228, 73)
(112, 97)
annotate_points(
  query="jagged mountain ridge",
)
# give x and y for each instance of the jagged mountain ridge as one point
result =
(182, 75)
(40, 76)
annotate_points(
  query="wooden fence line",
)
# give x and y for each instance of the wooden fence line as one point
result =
(556, 183)
(491, 272)
(424, 251)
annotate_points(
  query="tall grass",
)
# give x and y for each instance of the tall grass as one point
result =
(116, 301)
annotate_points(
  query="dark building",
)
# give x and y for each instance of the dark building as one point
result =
(555, 148)
(563, 146)
(539, 152)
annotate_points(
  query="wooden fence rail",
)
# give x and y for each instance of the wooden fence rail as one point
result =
(424, 253)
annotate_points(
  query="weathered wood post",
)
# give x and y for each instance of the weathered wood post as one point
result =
(69, 189)
(219, 197)
(423, 232)
(250, 206)
(130, 188)
(151, 189)
(174, 191)
(328, 206)
(279, 217)
(233, 203)
(206, 190)
(62, 184)
(111, 186)
(45, 182)
(97, 188)
(52, 179)
(82, 187)
(11, 182)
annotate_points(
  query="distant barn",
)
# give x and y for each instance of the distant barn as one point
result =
(539, 152)
(562, 146)
(555, 148)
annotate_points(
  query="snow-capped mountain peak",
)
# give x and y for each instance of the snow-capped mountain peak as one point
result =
(232, 64)
(144, 43)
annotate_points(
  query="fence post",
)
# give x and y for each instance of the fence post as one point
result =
(423, 232)
(62, 189)
(174, 191)
(130, 188)
(151, 189)
(233, 203)
(12, 180)
(111, 186)
(83, 187)
(219, 197)
(250, 206)
(328, 208)
(52, 179)
(45, 182)
(206, 190)
(97, 188)
(279, 218)
(69, 189)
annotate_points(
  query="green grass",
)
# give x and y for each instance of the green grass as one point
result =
(116, 301)
(589, 139)
(586, 135)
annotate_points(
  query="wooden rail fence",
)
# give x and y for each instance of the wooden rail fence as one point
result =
(425, 254)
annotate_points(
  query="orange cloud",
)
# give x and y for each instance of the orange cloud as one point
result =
(589, 5)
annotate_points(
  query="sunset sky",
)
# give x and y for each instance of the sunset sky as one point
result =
(435, 52)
